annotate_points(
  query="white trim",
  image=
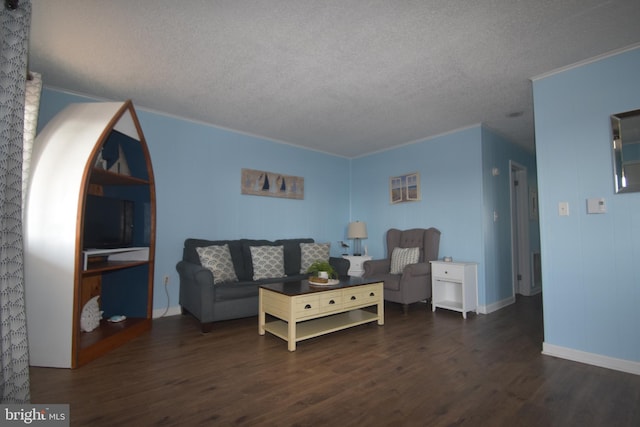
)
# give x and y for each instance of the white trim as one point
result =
(419, 140)
(623, 365)
(520, 228)
(172, 311)
(535, 288)
(533, 291)
(195, 121)
(586, 61)
(486, 309)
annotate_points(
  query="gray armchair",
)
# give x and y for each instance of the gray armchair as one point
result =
(414, 284)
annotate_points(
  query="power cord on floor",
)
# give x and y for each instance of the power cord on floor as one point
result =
(166, 291)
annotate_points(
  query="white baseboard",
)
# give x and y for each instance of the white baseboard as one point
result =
(623, 365)
(172, 311)
(486, 309)
(532, 291)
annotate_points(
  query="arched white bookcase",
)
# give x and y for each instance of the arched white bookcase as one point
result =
(89, 156)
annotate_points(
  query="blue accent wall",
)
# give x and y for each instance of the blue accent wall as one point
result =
(499, 153)
(589, 262)
(450, 167)
(197, 172)
(459, 196)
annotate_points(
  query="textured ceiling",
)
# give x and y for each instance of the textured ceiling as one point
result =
(345, 77)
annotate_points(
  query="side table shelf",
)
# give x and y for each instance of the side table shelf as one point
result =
(454, 286)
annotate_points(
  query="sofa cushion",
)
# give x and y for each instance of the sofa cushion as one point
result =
(401, 257)
(292, 254)
(217, 258)
(241, 254)
(246, 254)
(235, 248)
(312, 252)
(236, 291)
(268, 261)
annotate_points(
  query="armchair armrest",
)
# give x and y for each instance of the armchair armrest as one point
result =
(415, 270)
(376, 267)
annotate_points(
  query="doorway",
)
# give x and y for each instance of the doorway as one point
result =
(520, 256)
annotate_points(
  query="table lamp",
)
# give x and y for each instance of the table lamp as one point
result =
(357, 230)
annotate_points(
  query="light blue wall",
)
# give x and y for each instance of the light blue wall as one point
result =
(589, 262)
(450, 168)
(197, 173)
(459, 196)
(498, 152)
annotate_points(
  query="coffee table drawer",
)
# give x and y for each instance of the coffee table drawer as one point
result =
(373, 293)
(361, 295)
(307, 305)
(330, 301)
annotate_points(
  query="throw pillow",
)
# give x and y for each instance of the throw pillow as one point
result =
(312, 252)
(401, 257)
(91, 315)
(218, 260)
(268, 262)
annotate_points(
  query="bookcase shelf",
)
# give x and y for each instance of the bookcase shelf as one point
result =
(105, 177)
(101, 266)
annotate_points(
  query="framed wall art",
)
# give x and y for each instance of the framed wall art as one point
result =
(404, 188)
(271, 184)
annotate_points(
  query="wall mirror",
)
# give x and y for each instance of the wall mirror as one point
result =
(625, 128)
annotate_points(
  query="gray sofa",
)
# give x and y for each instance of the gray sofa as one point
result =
(209, 302)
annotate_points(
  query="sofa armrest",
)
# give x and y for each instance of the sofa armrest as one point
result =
(376, 267)
(341, 266)
(194, 273)
(197, 291)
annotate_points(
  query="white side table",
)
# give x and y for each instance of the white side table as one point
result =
(454, 286)
(356, 267)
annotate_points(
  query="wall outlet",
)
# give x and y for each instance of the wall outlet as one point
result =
(166, 280)
(563, 208)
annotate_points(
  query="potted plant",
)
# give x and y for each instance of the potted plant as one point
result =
(318, 267)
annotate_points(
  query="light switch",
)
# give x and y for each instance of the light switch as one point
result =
(563, 208)
(596, 206)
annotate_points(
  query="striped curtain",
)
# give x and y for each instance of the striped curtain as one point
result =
(14, 350)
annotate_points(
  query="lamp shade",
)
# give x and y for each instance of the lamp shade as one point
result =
(357, 230)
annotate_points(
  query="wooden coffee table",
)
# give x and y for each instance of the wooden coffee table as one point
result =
(298, 311)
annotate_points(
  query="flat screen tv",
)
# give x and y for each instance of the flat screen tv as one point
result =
(108, 223)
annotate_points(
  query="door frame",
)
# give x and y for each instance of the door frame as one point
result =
(519, 205)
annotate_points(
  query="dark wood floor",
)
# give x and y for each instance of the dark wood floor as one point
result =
(419, 369)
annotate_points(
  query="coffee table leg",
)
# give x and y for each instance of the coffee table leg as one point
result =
(292, 335)
(261, 315)
(381, 312)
